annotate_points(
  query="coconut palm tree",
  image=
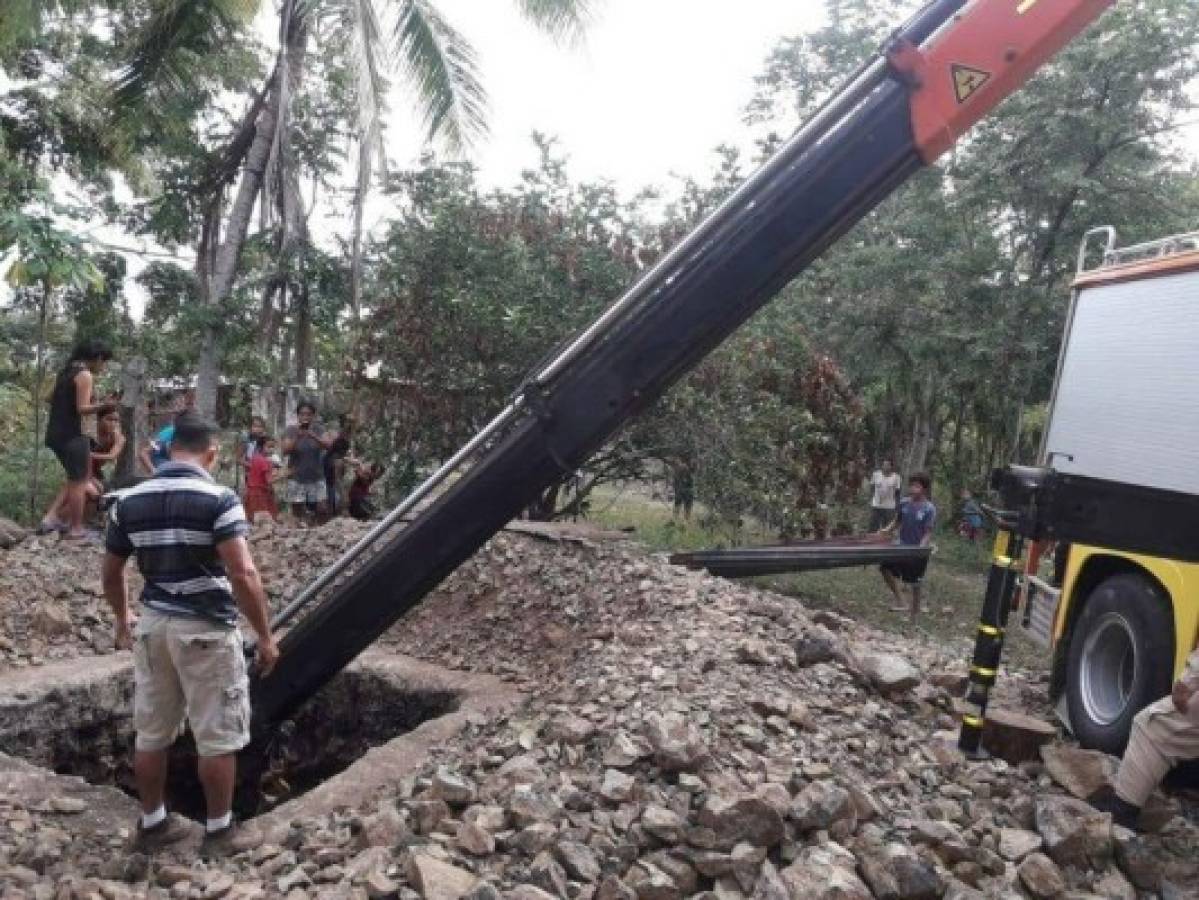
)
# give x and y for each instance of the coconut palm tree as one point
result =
(408, 40)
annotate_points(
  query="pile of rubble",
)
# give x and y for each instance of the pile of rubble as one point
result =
(681, 736)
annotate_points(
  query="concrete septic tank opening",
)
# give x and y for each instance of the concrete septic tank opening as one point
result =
(76, 720)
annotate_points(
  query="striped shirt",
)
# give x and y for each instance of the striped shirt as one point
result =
(173, 523)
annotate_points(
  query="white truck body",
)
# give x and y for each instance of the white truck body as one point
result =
(1126, 401)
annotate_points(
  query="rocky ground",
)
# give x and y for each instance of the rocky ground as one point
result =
(680, 736)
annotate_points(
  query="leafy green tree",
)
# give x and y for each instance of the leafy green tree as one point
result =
(945, 306)
(256, 162)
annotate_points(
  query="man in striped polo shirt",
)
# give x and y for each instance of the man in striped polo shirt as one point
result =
(188, 534)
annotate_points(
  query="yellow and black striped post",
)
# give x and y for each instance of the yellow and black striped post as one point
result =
(988, 646)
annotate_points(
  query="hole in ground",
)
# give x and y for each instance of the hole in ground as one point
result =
(87, 730)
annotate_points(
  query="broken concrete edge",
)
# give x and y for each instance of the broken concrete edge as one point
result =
(30, 685)
(357, 786)
(362, 783)
(107, 808)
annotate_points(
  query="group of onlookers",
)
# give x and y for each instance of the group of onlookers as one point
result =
(314, 464)
(317, 463)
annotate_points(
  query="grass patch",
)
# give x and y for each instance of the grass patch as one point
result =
(953, 586)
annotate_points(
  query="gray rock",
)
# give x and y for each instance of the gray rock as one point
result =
(522, 769)
(438, 880)
(70, 806)
(535, 838)
(11, 533)
(533, 803)
(571, 729)
(1081, 772)
(617, 786)
(894, 872)
(946, 839)
(1113, 885)
(530, 892)
(453, 788)
(1016, 843)
(475, 840)
(547, 874)
(371, 859)
(820, 804)
(770, 885)
(483, 891)
(626, 750)
(428, 814)
(888, 672)
(579, 861)
(1075, 833)
(648, 882)
(754, 652)
(1136, 858)
(824, 872)
(816, 645)
(51, 620)
(1041, 877)
(677, 745)
(612, 888)
(380, 887)
(664, 824)
(746, 819)
(677, 869)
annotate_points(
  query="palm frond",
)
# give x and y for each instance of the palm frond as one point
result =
(22, 21)
(564, 20)
(177, 31)
(367, 47)
(441, 67)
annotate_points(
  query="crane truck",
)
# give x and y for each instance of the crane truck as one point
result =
(1116, 491)
(939, 74)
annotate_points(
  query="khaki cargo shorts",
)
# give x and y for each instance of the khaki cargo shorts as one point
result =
(186, 668)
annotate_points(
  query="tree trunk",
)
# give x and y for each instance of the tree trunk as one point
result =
(218, 268)
(922, 427)
(219, 280)
(959, 468)
(134, 420)
(303, 352)
(39, 380)
(360, 195)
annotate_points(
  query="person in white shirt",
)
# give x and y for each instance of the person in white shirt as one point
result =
(885, 484)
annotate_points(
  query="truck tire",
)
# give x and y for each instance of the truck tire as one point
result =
(1121, 659)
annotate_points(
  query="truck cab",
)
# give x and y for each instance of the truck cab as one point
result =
(1120, 611)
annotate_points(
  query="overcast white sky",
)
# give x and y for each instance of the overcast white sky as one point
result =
(650, 92)
(655, 86)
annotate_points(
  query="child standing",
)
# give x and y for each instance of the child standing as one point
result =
(915, 522)
(260, 478)
(360, 490)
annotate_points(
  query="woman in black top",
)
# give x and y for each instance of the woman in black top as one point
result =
(70, 402)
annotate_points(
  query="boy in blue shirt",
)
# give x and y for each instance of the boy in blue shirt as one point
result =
(915, 522)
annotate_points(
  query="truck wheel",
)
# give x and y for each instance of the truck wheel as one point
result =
(1121, 659)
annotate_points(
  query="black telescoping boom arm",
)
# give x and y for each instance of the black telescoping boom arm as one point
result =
(841, 165)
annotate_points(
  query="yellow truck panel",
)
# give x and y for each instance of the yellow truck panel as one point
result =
(1180, 580)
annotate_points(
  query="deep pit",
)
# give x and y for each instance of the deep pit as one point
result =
(84, 727)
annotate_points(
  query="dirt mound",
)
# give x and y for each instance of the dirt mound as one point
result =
(680, 736)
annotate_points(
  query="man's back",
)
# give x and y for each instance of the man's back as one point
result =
(172, 523)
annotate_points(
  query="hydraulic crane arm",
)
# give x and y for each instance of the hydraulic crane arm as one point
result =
(942, 72)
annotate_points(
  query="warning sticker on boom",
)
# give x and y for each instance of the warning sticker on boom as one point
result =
(966, 81)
